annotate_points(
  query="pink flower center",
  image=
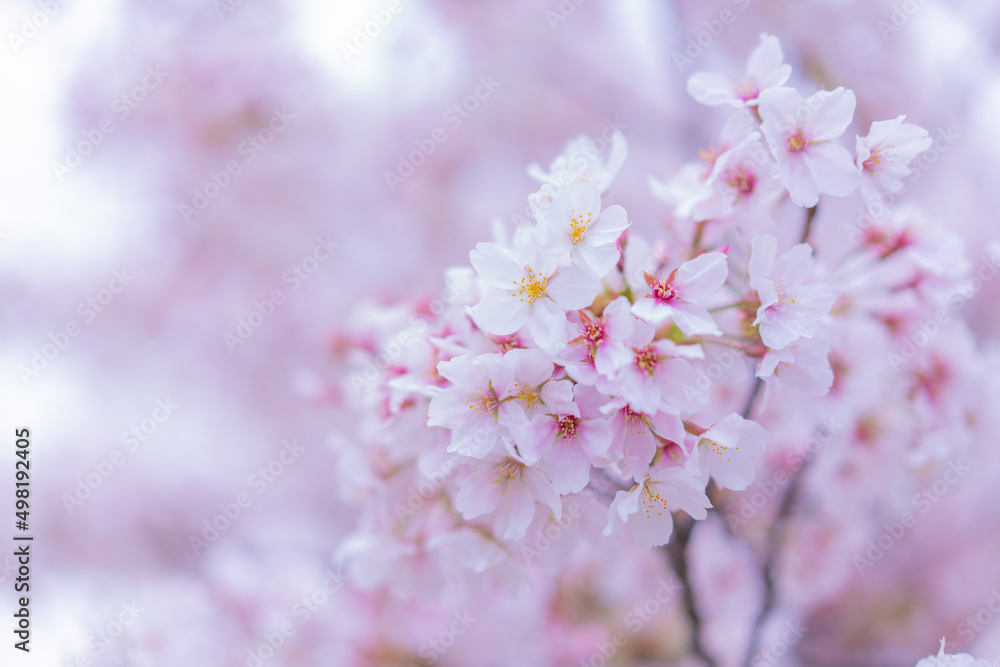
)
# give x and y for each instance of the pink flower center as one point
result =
(797, 141)
(568, 426)
(646, 359)
(742, 180)
(594, 332)
(874, 161)
(747, 91)
(662, 290)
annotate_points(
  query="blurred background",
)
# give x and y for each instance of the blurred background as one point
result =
(197, 193)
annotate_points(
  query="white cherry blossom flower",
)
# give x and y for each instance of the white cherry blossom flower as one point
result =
(800, 133)
(764, 70)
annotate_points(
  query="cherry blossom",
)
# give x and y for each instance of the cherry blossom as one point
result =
(647, 508)
(800, 132)
(884, 157)
(764, 70)
(677, 297)
(575, 224)
(789, 309)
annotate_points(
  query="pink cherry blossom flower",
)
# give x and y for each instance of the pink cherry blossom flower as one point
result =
(764, 70)
(679, 295)
(477, 408)
(634, 433)
(804, 365)
(657, 372)
(884, 158)
(506, 489)
(575, 224)
(535, 292)
(566, 443)
(728, 451)
(738, 173)
(789, 308)
(800, 131)
(646, 509)
(600, 349)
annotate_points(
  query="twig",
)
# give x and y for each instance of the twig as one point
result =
(753, 396)
(810, 214)
(676, 551)
(771, 560)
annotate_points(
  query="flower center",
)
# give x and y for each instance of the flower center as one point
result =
(742, 180)
(568, 426)
(646, 359)
(635, 422)
(662, 290)
(747, 91)
(874, 161)
(715, 447)
(578, 225)
(652, 500)
(532, 286)
(797, 141)
(526, 396)
(507, 475)
(484, 403)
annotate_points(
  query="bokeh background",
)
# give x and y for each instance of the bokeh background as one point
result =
(129, 255)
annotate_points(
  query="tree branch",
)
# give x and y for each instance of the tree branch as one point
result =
(676, 550)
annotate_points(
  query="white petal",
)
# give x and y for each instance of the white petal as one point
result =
(496, 265)
(710, 88)
(573, 288)
(832, 168)
(702, 276)
(832, 113)
(499, 313)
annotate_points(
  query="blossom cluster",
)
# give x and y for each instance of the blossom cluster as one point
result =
(574, 356)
